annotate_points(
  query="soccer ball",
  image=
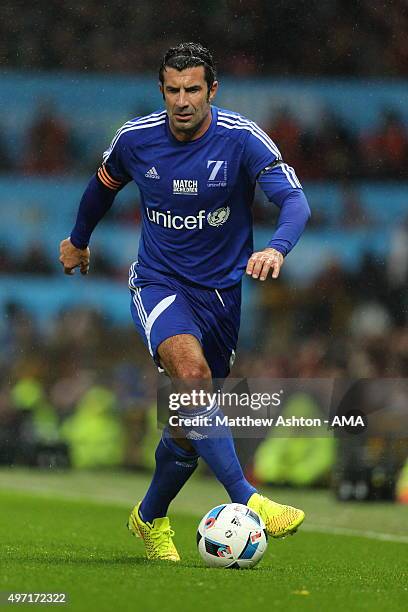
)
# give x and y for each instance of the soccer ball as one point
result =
(231, 536)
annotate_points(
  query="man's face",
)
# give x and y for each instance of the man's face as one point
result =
(187, 101)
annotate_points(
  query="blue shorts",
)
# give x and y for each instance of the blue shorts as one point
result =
(164, 306)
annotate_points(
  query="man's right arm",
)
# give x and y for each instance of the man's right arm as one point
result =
(97, 199)
(95, 202)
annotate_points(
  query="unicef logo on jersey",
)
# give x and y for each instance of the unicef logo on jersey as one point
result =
(169, 220)
(218, 217)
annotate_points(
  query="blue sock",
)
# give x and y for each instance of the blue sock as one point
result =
(174, 466)
(215, 444)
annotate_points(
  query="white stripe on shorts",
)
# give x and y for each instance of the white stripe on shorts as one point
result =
(156, 312)
(219, 297)
(137, 306)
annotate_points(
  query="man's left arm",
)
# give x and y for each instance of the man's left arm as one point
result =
(282, 187)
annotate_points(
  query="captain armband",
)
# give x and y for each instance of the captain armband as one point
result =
(276, 163)
(106, 180)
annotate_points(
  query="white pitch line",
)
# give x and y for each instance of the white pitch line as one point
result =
(370, 535)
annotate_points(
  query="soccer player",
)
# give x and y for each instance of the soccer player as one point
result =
(196, 166)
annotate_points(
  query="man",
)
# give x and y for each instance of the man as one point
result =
(196, 167)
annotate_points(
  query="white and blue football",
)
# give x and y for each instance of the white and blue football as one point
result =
(231, 536)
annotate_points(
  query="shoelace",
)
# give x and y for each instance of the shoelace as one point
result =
(162, 547)
(264, 513)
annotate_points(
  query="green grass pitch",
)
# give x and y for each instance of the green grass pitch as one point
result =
(66, 533)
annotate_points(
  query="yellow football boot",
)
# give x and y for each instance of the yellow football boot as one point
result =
(157, 536)
(280, 520)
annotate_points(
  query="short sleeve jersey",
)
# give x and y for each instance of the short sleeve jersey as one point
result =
(196, 196)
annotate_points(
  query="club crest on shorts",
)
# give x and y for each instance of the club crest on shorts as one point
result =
(219, 216)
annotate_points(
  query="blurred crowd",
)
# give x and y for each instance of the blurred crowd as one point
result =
(81, 392)
(331, 150)
(95, 407)
(332, 38)
(88, 409)
(34, 260)
(338, 312)
(102, 382)
(344, 324)
(334, 151)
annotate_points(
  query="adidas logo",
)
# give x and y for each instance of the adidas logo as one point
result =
(152, 173)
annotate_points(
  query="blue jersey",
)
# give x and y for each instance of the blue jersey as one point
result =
(196, 196)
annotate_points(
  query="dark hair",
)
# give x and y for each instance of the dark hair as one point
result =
(188, 55)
